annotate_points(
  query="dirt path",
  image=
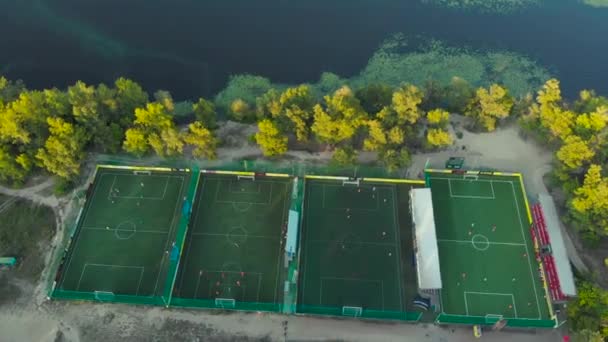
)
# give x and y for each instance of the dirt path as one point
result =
(33, 318)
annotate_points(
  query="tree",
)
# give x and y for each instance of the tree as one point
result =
(344, 156)
(588, 101)
(590, 124)
(395, 159)
(136, 142)
(374, 97)
(300, 119)
(204, 112)
(129, 95)
(438, 117)
(405, 102)
(490, 105)
(590, 203)
(376, 139)
(574, 152)
(339, 120)
(62, 152)
(457, 95)
(437, 137)
(291, 110)
(10, 167)
(271, 140)
(154, 125)
(589, 311)
(203, 140)
(241, 111)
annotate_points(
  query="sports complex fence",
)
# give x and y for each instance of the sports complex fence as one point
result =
(292, 168)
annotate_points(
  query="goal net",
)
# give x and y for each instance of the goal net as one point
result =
(352, 311)
(470, 177)
(104, 295)
(225, 303)
(491, 319)
(355, 182)
(252, 177)
(142, 173)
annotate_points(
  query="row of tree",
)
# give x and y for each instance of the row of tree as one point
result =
(52, 129)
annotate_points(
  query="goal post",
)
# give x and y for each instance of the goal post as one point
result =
(241, 177)
(142, 172)
(470, 177)
(104, 296)
(352, 311)
(492, 319)
(225, 303)
(356, 182)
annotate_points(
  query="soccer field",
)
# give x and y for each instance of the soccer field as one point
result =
(233, 251)
(125, 234)
(351, 249)
(487, 258)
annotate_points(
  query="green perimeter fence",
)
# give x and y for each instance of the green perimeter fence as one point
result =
(71, 231)
(364, 313)
(490, 320)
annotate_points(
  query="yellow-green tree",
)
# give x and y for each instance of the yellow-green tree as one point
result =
(205, 113)
(394, 159)
(438, 117)
(490, 105)
(339, 119)
(588, 313)
(437, 137)
(590, 202)
(202, 139)
(136, 141)
(344, 156)
(405, 102)
(155, 125)
(63, 150)
(590, 124)
(574, 152)
(376, 137)
(271, 140)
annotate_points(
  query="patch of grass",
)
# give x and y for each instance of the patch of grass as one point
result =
(596, 3)
(25, 231)
(489, 6)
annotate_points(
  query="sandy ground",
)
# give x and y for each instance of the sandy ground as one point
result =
(33, 318)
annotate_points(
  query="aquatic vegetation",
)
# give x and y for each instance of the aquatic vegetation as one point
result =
(246, 88)
(493, 6)
(399, 60)
(596, 3)
(396, 62)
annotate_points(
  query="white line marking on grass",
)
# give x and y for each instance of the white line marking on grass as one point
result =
(171, 229)
(523, 235)
(76, 242)
(105, 265)
(126, 230)
(381, 282)
(398, 242)
(466, 303)
(490, 294)
(491, 243)
(141, 276)
(260, 287)
(245, 235)
(111, 186)
(198, 282)
(279, 257)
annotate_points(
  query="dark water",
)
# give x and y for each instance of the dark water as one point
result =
(190, 47)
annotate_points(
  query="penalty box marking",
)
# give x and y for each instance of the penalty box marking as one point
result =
(466, 304)
(381, 282)
(111, 266)
(266, 202)
(152, 198)
(341, 208)
(211, 282)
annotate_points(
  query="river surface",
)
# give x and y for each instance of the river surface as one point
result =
(190, 47)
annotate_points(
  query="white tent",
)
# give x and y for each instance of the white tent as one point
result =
(427, 252)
